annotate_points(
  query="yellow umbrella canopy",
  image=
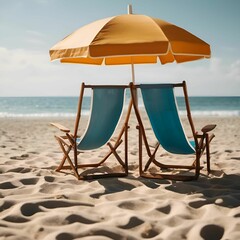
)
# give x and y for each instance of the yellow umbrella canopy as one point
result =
(130, 39)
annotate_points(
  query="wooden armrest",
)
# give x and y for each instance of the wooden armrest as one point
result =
(208, 128)
(60, 127)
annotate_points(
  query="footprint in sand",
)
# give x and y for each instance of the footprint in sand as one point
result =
(49, 179)
(79, 219)
(29, 181)
(133, 222)
(15, 219)
(7, 185)
(20, 170)
(64, 236)
(22, 157)
(165, 210)
(6, 205)
(212, 232)
(237, 215)
(29, 209)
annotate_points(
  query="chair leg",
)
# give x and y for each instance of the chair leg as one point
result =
(116, 154)
(109, 153)
(63, 159)
(152, 158)
(126, 148)
(208, 153)
(198, 167)
(140, 151)
(65, 153)
(66, 157)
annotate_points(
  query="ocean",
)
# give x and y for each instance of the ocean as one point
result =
(38, 107)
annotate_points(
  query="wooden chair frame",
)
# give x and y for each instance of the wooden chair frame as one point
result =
(202, 142)
(68, 143)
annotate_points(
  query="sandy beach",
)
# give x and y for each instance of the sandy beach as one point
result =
(39, 203)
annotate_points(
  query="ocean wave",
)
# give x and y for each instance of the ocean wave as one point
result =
(217, 113)
(38, 115)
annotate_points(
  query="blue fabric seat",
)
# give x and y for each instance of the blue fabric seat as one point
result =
(107, 104)
(162, 110)
(106, 109)
(161, 107)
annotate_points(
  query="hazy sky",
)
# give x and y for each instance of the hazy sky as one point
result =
(29, 28)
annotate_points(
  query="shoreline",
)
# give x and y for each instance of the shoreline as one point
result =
(196, 113)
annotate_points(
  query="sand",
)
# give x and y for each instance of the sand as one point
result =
(36, 202)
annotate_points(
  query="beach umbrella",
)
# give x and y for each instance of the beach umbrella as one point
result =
(130, 39)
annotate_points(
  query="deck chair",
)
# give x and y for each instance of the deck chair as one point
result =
(107, 104)
(162, 110)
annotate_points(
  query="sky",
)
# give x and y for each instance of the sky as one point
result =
(29, 28)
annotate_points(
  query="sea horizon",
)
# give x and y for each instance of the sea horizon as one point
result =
(66, 106)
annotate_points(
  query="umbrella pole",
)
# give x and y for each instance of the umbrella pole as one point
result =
(133, 81)
(129, 8)
(133, 73)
